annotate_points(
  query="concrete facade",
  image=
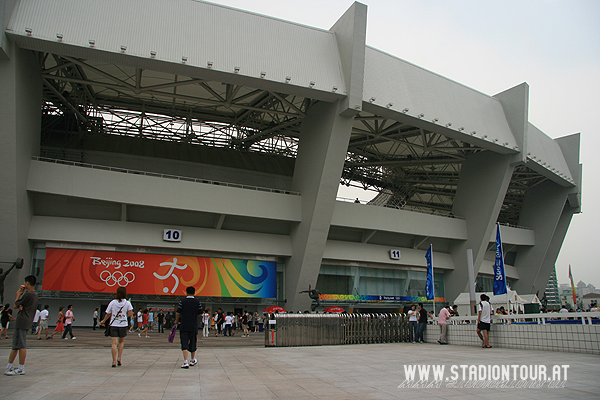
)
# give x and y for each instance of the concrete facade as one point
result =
(265, 206)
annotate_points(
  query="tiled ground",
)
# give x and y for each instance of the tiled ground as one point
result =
(81, 370)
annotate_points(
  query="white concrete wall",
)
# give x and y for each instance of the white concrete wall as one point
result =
(113, 233)
(126, 188)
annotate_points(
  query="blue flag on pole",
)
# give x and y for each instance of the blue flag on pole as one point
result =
(499, 275)
(429, 288)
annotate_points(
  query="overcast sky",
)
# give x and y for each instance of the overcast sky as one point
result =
(553, 45)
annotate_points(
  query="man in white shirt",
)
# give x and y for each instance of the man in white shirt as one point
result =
(36, 320)
(484, 319)
(228, 324)
(44, 315)
(412, 324)
(206, 322)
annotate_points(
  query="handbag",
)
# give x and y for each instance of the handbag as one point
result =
(107, 327)
(172, 334)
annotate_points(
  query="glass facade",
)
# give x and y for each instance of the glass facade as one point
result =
(37, 267)
(345, 280)
(486, 283)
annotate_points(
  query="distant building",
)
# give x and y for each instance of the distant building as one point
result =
(566, 298)
(551, 297)
(590, 300)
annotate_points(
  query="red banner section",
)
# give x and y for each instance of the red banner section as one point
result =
(157, 274)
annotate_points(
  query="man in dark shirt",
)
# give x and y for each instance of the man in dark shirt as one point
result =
(423, 314)
(188, 310)
(161, 322)
(26, 302)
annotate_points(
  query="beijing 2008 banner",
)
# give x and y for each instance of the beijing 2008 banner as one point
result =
(157, 274)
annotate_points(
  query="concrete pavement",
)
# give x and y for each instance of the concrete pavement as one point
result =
(235, 368)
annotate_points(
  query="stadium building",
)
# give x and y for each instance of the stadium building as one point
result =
(159, 144)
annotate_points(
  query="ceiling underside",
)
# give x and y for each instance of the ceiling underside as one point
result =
(407, 166)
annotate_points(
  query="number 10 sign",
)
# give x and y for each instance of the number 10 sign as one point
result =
(172, 235)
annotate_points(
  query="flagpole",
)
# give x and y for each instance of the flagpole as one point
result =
(573, 289)
(432, 279)
(504, 270)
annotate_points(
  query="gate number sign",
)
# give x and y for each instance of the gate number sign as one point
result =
(172, 235)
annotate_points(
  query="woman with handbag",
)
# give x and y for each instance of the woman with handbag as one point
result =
(116, 313)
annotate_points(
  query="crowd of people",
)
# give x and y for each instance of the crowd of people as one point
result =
(40, 322)
(227, 324)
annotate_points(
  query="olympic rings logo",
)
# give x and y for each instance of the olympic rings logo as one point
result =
(112, 279)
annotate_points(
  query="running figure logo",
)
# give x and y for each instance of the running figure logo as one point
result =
(170, 273)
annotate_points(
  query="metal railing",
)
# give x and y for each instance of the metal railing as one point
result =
(581, 318)
(407, 208)
(286, 330)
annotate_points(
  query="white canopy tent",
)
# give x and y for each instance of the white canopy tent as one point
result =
(515, 301)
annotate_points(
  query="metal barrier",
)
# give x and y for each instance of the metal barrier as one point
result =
(286, 330)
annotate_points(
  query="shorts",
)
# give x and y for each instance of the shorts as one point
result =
(4, 325)
(484, 326)
(19, 339)
(244, 326)
(118, 331)
(188, 340)
(44, 324)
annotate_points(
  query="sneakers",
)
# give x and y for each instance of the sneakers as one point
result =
(185, 365)
(14, 372)
(193, 362)
(73, 338)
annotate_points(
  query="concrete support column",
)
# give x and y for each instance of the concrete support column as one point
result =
(20, 119)
(324, 138)
(545, 210)
(482, 185)
(515, 102)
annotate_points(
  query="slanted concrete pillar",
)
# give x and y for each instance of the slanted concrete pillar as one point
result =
(20, 120)
(515, 102)
(545, 210)
(324, 138)
(351, 33)
(549, 262)
(482, 185)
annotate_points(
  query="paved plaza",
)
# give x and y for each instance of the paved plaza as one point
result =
(242, 368)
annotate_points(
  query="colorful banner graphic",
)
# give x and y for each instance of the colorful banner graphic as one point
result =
(499, 273)
(429, 290)
(157, 274)
(573, 287)
(375, 299)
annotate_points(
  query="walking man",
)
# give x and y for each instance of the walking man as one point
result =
(484, 319)
(95, 317)
(188, 311)
(44, 315)
(26, 303)
(69, 318)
